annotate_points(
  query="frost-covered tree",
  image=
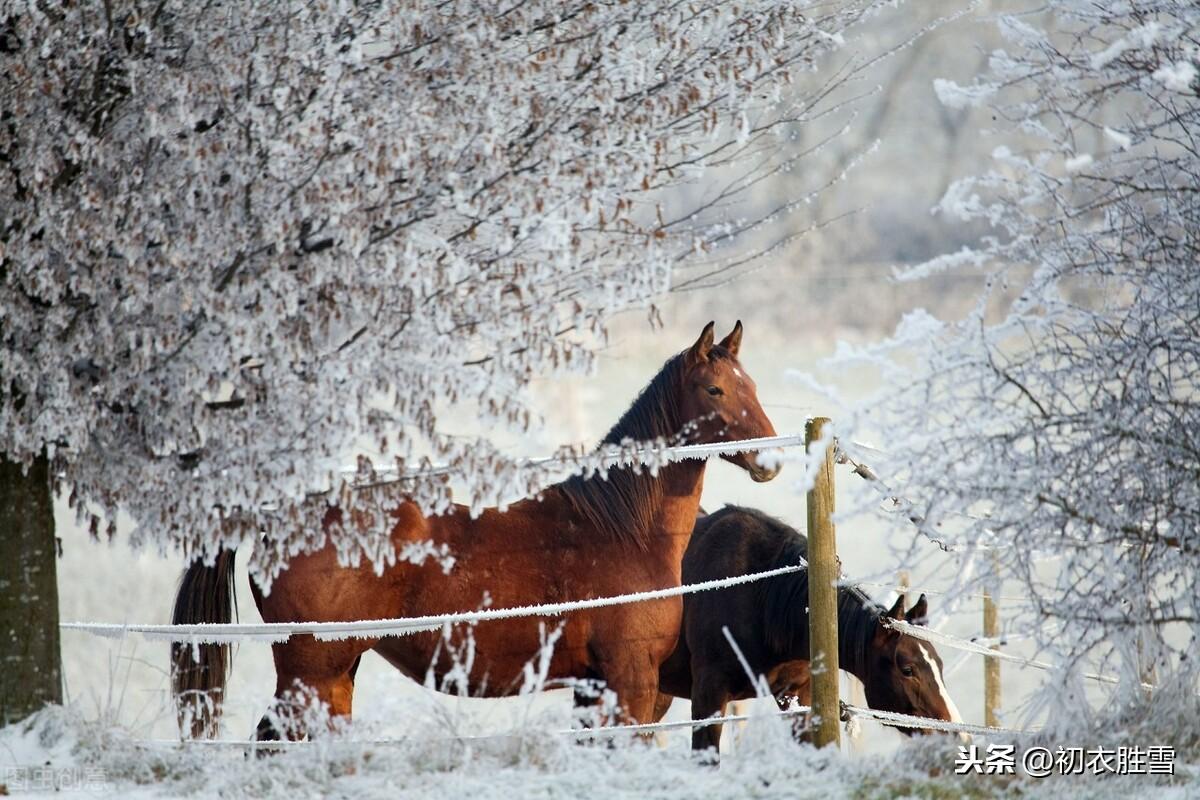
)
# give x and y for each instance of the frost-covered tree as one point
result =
(242, 241)
(1059, 423)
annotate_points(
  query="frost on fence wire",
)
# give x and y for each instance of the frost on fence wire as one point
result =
(883, 717)
(281, 631)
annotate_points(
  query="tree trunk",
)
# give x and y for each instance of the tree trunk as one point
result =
(30, 659)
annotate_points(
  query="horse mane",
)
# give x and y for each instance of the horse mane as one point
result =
(785, 601)
(623, 504)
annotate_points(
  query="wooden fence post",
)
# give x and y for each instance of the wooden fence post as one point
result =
(822, 594)
(991, 666)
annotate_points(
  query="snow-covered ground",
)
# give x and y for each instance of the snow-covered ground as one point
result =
(59, 752)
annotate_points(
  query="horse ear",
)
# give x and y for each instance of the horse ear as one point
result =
(733, 341)
(885, 636)
(703, 345)
(919, 613)
(897, 610)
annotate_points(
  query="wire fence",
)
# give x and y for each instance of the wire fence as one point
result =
(980, 648)
(651, 458)
(897, 720)
(211, 633)
(889, 718)
(642, 454)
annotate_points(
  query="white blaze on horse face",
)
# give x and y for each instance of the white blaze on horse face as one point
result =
(937, 676)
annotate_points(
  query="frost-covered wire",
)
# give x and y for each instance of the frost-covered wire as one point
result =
(884, 717)
(982, 648)
(634, 454)
(908, 721)
(281, 631)
(606, 730)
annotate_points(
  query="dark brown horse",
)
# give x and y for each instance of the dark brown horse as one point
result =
(583, 538)
(769, 621)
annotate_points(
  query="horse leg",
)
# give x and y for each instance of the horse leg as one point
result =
(636, 703)
(267, 730)
(636, 685)
(709, 697)
(662, 704)
(305, 671)
(632, 675)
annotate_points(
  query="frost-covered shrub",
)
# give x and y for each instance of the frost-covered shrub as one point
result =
(1061, 429)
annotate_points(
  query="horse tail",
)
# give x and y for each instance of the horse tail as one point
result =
(200, 671)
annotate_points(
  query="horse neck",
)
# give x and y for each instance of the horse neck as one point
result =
(681, 483)
(652, 513)
(858, 620)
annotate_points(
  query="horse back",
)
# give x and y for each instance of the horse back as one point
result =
(760, 616)
(737, 541)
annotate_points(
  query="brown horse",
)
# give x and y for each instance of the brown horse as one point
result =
(582, 538)
(769, 621)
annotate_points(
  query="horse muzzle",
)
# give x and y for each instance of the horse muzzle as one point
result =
(763, 474)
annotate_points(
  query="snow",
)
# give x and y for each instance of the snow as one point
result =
(1121, 140)
(1078, 162)
(1177, 77)
(959, 202)
(1140, 37)
(90, 759)
(966, 257)
(952, 95)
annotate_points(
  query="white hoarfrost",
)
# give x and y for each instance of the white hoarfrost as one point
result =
(55, 751)
(1077, 162)
(244, 242)
(952, 95)
(1178, 77)
(1118, 138)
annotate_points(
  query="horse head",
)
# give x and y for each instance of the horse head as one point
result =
(905, 673)
(719, 401)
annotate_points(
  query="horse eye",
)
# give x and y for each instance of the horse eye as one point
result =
(907, 670)
(714, 390)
